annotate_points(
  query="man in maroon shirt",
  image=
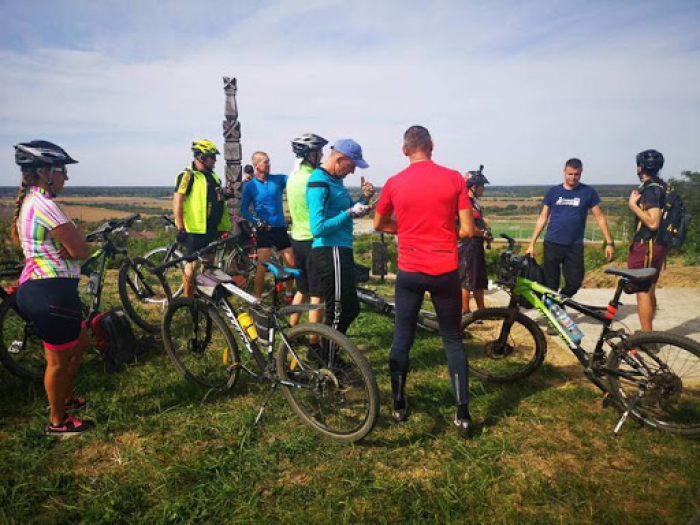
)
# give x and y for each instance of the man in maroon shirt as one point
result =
(425, 198)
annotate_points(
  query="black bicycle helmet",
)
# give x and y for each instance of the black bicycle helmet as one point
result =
(38, 153)
(306, 143)
(651, 161)
(477, 178)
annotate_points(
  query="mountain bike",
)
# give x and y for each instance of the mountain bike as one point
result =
(652, 376)
(21, 349)
(324, 377)
(238, 259)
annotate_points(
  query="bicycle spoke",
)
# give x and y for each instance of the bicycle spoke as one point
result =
(335, 392)
(666, 368)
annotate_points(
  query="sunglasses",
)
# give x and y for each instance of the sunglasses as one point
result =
(60, 169)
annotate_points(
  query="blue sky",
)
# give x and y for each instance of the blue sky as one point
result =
(518, 86)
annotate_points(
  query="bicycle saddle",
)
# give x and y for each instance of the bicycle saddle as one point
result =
(633, 275)
(281, 273)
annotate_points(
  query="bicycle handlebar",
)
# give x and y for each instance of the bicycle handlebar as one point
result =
(109, 226)
(193, 256)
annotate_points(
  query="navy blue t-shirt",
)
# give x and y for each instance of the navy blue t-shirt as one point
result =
(568, 211)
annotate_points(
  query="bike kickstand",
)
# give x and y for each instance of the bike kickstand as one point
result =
(273, 387)
(630, 407)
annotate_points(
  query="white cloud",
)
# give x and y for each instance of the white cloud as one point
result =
(519, 87)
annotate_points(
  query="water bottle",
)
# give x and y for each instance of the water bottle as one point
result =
(247, 324)
(575, 333)
(93, 283)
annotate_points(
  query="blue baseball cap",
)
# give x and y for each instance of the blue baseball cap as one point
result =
(351, 150)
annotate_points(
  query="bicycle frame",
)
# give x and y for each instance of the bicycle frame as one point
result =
(594, 363)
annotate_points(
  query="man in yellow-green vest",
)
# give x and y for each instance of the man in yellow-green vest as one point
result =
(199, 206)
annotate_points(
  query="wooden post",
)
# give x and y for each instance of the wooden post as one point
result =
(232, 148)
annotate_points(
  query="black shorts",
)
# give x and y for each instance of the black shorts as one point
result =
(276, 237)
(472, 265)
(197, 241)
(54, 308)
(307, 282)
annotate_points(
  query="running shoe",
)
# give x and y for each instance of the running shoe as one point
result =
(71, 426)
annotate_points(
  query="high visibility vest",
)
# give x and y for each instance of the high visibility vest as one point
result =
(195, 206)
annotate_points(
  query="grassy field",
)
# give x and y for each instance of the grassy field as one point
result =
(164, 452)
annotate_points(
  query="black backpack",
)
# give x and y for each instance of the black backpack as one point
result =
(115, 339)
(532, 271)
(674, 220)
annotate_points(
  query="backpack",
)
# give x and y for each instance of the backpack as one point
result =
(115, 339)
(674, 220)
(533, 271)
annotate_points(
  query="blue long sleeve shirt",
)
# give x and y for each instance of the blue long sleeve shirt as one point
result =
(265, 199)
(329, 200)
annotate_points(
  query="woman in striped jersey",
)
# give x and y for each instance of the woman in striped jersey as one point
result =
(48, 291)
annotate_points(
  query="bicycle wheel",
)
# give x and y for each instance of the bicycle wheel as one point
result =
(172, 275)
(144, 294)
(21, 350)
(503, 357)
(668, 366)
(335, 392)
(241, 266)
(200, 344)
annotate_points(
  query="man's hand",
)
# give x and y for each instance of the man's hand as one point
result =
(181, 236)
(367, 188)
(359, 210)
(634, 199)
(261, 225)
(531, 249)
(609, 252)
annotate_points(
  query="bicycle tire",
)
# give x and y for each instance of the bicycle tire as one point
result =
(671, 362)
(208, 359)
(523, 352)
(239, 264)
(143, 294)
(340, 399)
(21, 350)
(172, 275)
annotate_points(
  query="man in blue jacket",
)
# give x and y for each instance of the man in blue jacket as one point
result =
(331, 212)
(262, 206)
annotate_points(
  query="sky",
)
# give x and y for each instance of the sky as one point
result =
(519, 86)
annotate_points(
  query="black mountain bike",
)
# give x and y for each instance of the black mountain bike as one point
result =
(652, 376)
(324, 377)
(21, 350)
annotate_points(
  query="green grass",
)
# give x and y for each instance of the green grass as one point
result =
(163, 452)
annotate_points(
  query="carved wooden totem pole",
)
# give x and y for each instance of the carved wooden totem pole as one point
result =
(232, 147)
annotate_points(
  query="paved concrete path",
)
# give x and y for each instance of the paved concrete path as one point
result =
(678, 311)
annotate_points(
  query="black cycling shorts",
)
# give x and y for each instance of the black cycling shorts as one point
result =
(276, 237)
(472, 264)
(307, 282)
(54, 308)
(197, 241)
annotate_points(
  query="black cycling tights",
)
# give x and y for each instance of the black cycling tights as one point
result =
(446, 295)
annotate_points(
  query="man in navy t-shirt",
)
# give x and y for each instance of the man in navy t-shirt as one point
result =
(566, 207)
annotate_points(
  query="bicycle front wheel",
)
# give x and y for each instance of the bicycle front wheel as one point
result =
(200, 344)
(172, 275)
(144, 294)
(666, 367)
(334, 392)
(502, 348)
(21, 350)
